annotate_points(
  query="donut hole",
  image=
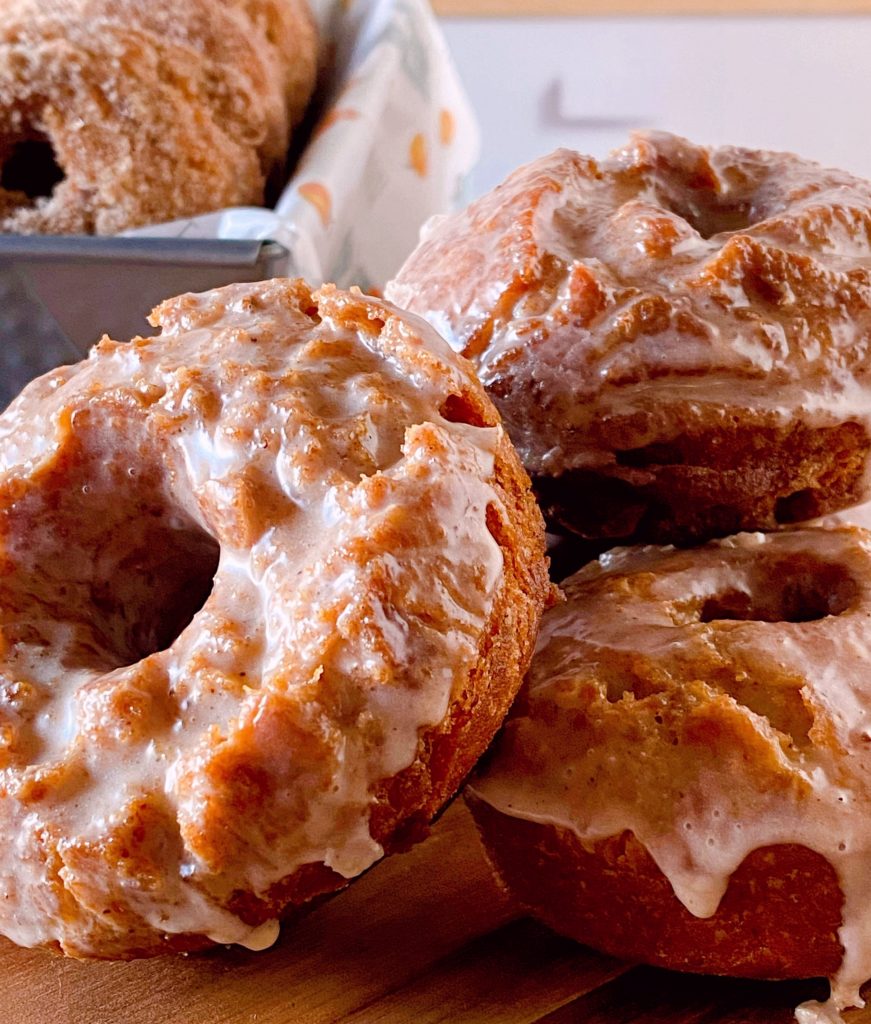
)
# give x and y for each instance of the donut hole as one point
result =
(707, 211)
(102, 544)
(802, 589)
(710, 219)
(160, 587)
(31, 168)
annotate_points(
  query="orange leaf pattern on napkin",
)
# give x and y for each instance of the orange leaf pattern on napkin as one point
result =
(447, 127)
(319, 197)
(417, 154)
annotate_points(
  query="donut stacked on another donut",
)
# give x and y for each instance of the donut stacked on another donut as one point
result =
(677, 337)
(269, 583)
(117, 113)
(686, 777)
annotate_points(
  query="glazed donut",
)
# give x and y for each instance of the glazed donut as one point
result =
(677, 337)
(118, 113)
(686, 777)
(269, 584)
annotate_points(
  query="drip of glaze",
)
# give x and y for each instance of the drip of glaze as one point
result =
(704, 834)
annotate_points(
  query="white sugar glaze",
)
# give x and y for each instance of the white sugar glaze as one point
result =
(300, 462)
(793, 700)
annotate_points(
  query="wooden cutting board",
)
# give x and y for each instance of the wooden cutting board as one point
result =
(422, 938)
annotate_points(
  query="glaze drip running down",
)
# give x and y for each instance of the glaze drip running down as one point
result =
(712, 703)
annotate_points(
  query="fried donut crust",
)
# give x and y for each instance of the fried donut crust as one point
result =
(778, 919)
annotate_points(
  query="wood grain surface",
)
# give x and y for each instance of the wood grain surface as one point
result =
(425, 938)
(546, 8)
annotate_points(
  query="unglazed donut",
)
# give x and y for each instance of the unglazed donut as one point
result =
(677, 337)
(117, 113)
(269, 584)
(686, 777)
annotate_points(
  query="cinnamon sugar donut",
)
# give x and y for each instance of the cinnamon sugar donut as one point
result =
(677, 337)
(117, 113)
(269, 584)
(686, 778)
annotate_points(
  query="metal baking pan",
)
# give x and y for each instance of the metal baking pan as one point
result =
(59, 295)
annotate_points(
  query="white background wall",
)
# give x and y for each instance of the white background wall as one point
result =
(802, 84)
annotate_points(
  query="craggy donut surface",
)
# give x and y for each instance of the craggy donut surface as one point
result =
(677, 337)
(269, 583)
(117, 113)
(686, 777)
